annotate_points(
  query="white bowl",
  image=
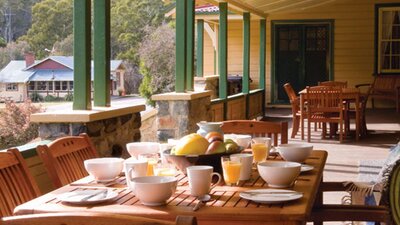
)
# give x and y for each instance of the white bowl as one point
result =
(242, 140)
(136, 148)
(279, 174)
(104, 169)
(295, 152)
(154, 190)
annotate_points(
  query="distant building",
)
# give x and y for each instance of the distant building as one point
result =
(53, 75)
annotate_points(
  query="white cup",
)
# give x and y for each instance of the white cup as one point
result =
(247, 164)
(200, 179)
(134, 168)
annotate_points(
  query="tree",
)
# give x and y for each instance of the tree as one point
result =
(15, 18)
(52, 22)
(64, 47)
(13, 51)
(157, 55)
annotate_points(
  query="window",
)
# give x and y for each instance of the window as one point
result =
(71, 85)
(12, 87)
(50, 85)
(41, 85)
(388, 37)
(57, 85)
(31, 86)
(64, 85)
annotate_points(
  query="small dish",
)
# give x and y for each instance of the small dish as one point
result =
(270, 195)
(88, 197)
(306, 168)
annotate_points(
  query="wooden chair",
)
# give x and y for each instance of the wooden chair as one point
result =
(17, 185)
(80, 218)
(258, 129)
(325, 105)
(389, 213)
(342, 84)
(351, 112)
(295, 103)
(63, 158)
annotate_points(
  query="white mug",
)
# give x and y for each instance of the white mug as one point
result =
(247, 164)
(134, 168)
(200, 179)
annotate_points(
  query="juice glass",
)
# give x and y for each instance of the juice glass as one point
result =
(260, 147)
(152, 159)
(164, 169)
(231, 169)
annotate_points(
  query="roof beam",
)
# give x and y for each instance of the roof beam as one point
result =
(239, 7)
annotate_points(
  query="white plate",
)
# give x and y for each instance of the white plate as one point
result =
(81, 197)
(270, 195)
(306, 168)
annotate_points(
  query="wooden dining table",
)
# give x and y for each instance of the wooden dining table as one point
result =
(226, 206)
(350, 96)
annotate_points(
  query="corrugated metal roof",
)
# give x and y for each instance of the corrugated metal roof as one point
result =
(17, 72)
(14, 73)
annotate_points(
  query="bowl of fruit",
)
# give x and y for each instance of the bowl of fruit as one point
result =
(194, 149)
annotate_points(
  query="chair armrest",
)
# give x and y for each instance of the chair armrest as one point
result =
(362, 85)
(332, 186)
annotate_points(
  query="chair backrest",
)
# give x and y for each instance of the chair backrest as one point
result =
(258, 129)
(16, 183)
(324, 99)
(290, 92)
(91, 219)
(341, 84)
(63, 158)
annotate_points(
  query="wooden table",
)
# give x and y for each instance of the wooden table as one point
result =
(225, 208)
(350, 95)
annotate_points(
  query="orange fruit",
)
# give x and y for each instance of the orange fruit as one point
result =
(214, 135)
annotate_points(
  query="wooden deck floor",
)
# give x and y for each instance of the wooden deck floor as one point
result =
(343, 159)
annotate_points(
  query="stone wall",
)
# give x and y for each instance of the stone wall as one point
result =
(176, 118)
(109, 136)
(148, 129)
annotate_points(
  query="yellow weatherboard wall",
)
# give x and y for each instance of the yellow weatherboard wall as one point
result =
(354, 27)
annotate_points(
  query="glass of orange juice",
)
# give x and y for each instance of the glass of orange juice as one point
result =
(260, 147)
(231, 169)
(152, 159)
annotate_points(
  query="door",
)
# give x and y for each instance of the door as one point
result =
(301, 57)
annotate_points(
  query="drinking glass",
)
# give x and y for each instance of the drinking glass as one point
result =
(260, 151)
(152, 159)
(164, 169)
(231, 169)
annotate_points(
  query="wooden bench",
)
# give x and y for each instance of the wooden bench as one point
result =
(386, 87)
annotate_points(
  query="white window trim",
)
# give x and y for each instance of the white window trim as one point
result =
(11, 86)
(379, 60)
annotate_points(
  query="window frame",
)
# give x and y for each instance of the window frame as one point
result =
(12, 87)
(378, 32)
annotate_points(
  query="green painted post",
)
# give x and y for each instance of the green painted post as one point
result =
(246, 53)
(223, 50)
(101, 39)
(82, 60)
(180, 47)
(262, 53)
(189, 45)
(262, 61)
(200, 48)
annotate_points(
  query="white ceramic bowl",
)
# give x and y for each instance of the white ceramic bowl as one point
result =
(136, 148)
(295, 152)
(279, 174)
(242, 140)
(104, 169)
(154, 190)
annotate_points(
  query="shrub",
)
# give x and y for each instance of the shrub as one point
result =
(15, 126)
(36, 97)
(51, 98)
(69, 97)
(157, 56)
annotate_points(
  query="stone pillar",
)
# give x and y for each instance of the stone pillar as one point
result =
(179, 113)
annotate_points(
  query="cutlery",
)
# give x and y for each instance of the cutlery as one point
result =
(202, 201)
(103, 193)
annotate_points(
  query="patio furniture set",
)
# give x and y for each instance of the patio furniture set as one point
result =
(19, 194)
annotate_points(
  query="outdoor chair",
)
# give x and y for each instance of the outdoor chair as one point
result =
(64, 157)
(258, 129)
(80, 218)
(295, 103)
(17, 185)
(388, 209)
(325, 105)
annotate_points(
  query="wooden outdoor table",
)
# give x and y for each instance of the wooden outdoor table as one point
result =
(225, 208)
(350, 95)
